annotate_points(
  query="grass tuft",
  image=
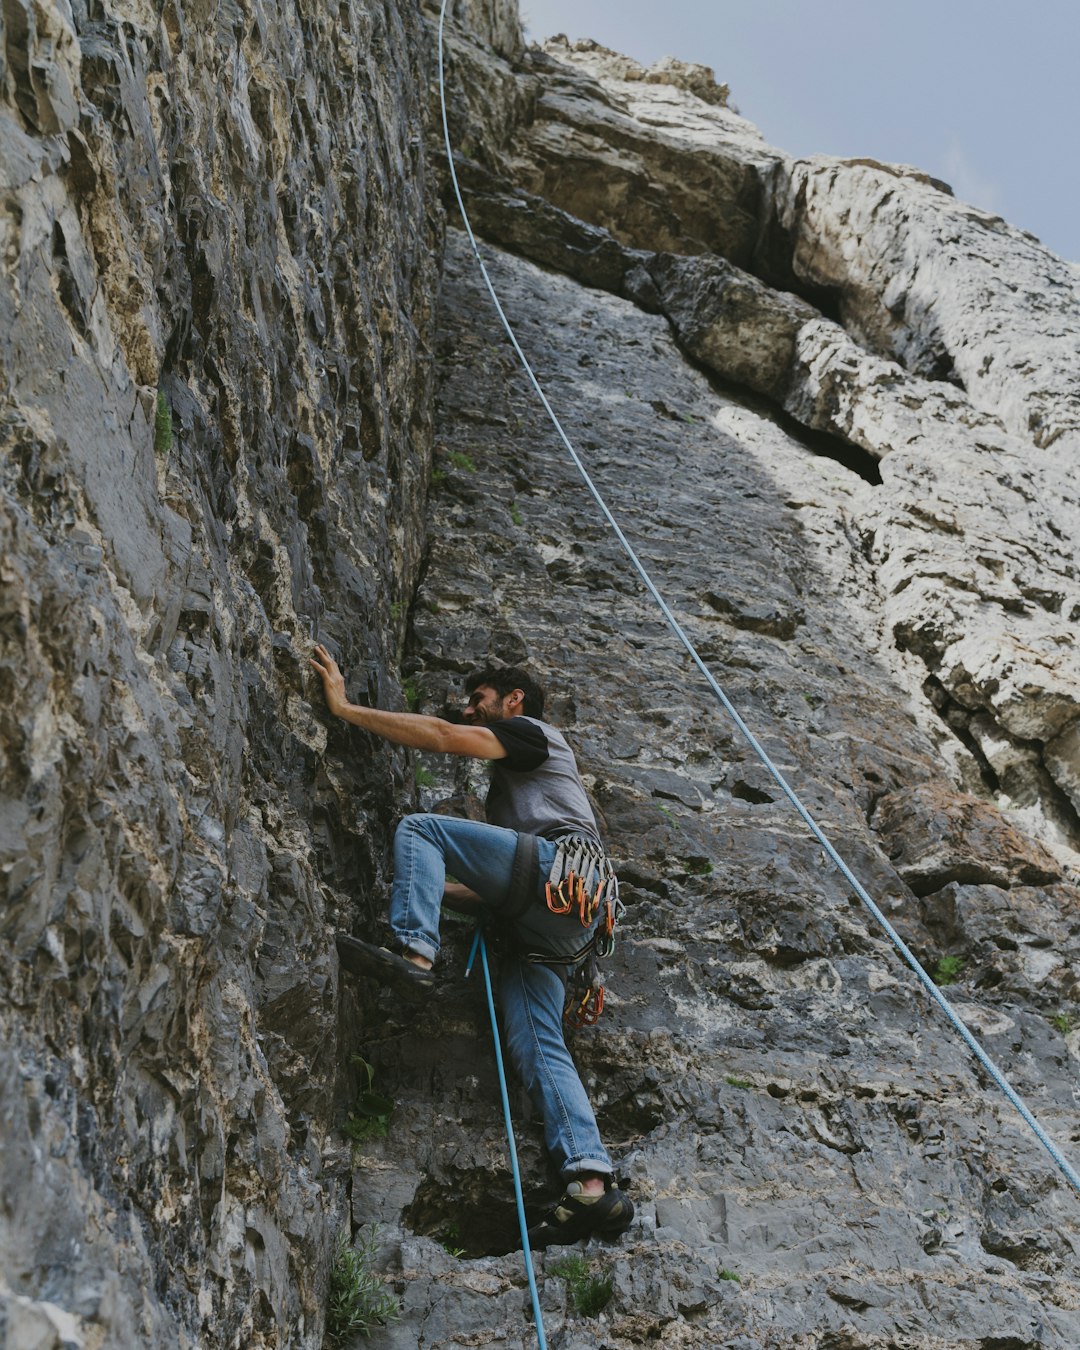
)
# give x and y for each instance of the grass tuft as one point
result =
(590, 1293)
(370, 1116)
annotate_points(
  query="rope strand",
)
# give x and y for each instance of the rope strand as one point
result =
(538, 1317)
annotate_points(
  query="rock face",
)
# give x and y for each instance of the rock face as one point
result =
(834, 409)
(220, 261)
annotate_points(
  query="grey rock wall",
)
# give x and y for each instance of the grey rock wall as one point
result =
(245, 407)
(219, 266)
(787, 1107)
(815, 496)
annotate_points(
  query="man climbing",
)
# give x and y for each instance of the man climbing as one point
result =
(538, 869)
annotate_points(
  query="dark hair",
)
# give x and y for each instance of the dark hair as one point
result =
(504, 680)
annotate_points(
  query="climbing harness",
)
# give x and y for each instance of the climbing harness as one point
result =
(480, 945)
(581, 879)
(1065, 1167)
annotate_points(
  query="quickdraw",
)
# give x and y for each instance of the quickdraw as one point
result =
(583, 879)
(586, 1011)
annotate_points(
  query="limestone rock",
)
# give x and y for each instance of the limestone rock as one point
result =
(933, 837)
(216, 300)
(247, 407)
(767, 1073)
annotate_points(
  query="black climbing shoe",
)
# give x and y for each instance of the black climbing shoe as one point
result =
(578, 1216)
(379, 963)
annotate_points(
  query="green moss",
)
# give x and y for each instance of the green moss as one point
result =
(424, 778)
(515, 514)
(735, 1082)
(947, 970)
(460, 460)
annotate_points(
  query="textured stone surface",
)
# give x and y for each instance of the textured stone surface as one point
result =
(973, 472)
(786, 1106)
(227, 206)
(859, 496)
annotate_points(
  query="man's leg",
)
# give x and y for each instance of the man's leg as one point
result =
(426, 847)
(531, 1000)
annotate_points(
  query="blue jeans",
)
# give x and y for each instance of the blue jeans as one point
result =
(531, 996)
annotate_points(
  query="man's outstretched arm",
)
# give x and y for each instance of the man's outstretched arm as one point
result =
(414, 729)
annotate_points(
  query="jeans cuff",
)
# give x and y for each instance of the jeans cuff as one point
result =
(575, 1166)
(418, 944)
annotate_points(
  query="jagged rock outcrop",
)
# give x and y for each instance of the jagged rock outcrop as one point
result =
(836, 411)
(220, 260)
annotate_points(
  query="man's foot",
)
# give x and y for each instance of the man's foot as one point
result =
(379, 963)
(578, 1215)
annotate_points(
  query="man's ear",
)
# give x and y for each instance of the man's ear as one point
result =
(516, 697)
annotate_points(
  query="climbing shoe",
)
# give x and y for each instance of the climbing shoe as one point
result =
(379, 963)
(577, 1216)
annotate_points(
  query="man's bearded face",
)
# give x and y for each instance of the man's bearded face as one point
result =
(484, 706)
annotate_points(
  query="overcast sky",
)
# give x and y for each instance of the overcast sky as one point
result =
(982, 93)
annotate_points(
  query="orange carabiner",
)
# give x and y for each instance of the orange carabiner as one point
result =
(587, 908)
(557, 902)
(590, 1008)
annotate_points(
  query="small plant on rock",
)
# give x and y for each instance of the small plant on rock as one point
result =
(1063, 1022)
(590, 1293)
(451, 1236)
(424, 778)
(733, 1081)
(724, 1274)
(359, 1301)
(370, 1116)
(947, 970)
(460, 460)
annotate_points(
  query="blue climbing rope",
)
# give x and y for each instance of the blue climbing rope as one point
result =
(1066, 1168)
(480, 945)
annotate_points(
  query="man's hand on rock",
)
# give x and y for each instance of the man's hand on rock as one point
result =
(332, 678)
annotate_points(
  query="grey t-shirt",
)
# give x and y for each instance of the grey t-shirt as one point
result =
(537, 787)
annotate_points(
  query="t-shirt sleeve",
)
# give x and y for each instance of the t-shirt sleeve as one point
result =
(525, 744)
